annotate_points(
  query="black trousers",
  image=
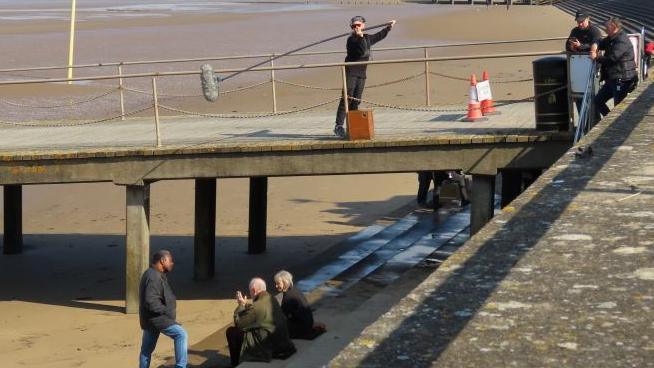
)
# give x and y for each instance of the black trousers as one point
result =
(234, 341)
(424, 180)
(615, 89)
(355, 87)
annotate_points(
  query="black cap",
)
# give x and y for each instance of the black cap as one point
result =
(581, 15)
(357, 18)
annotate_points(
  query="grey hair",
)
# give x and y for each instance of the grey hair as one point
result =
(257, 284)
(285, 277)
(159, 255)
(617, 22)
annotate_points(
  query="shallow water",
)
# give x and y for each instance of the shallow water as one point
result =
(87, 9)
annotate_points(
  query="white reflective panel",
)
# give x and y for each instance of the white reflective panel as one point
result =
(580, 65)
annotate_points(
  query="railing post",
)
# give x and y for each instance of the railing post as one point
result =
(272, 81)
(346, 102)
(155, 100)
(120, 89)
(427, 80)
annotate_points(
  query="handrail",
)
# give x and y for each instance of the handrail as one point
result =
(285, 67)
(583, 122)
(257, 56)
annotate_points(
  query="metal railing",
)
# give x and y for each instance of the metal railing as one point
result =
(586, 111)
(155, 105)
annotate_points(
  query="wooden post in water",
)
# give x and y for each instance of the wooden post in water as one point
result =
(155, 101)
(204, 244)
(272, 81)
(258, 214)
(137, 241)
(427, 80)
(482, 201)
(12, 238)
(122, 93)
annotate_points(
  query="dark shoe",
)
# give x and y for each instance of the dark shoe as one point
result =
(339, 131)
(464, 202)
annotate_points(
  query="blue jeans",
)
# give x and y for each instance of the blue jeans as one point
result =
(175, 332)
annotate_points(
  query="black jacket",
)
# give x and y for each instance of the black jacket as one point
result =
(298, 313)
(618, 59)
(587, 37)
(158, 305)
(358, 49)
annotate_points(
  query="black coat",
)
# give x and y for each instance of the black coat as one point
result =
(618, 59)
(586, 37)
(158, 305)
(358, 49)
(298, 313)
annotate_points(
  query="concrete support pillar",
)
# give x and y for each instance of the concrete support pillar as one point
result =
(12, 240)
(204, 250)
(258, 214)
(511, 186)
(482, 198)
(137, 242)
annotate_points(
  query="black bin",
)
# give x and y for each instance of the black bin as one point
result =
(551, 91)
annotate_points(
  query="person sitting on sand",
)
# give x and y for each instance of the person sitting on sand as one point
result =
(260, 332)
(296, 309)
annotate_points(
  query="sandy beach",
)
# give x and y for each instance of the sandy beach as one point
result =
(61, 300)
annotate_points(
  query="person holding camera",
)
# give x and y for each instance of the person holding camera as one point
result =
(585, 36)
(260, 332)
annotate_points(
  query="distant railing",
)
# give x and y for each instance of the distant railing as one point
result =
(120, 64)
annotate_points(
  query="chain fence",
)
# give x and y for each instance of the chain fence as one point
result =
(68, 104)
(167, 95)
(50, 124)
(247, 115)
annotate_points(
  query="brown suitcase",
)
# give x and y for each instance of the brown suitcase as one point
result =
(360, 125)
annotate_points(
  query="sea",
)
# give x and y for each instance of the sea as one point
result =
(12, 10)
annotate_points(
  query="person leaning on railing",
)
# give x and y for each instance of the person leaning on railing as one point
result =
(583, 38)
(618, 65)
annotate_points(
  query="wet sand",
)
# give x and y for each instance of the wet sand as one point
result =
(61, 300)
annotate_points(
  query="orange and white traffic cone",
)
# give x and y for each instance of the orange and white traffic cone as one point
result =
(487, 107)
(474, 108)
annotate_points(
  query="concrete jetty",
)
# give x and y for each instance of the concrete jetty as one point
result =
(204, 149)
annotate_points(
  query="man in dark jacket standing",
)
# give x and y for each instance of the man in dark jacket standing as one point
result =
(618, 64)
(585, 36)
(358, 49)
(157, 311)
(260, 331)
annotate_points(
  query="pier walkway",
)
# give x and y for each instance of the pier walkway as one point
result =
(563, 277)
(182, 132)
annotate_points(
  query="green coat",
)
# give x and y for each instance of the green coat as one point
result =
(264, 326)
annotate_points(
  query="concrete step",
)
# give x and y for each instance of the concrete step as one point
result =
(369, 240)
(368, 288)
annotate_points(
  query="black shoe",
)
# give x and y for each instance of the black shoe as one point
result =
(464, 202)
(339, 131)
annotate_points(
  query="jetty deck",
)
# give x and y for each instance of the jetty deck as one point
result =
(315, 127)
